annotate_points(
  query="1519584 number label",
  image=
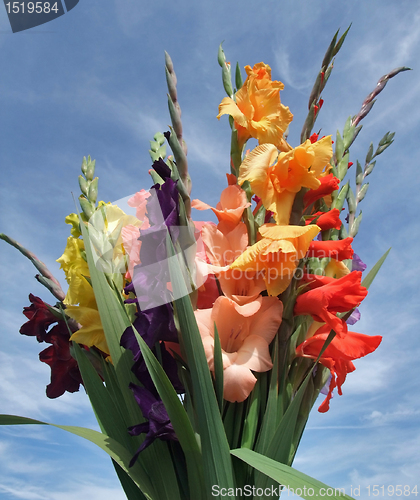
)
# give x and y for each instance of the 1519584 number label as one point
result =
(31, 7)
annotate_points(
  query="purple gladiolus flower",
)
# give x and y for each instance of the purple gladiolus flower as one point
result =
(357, 263)
(155, 326)
(326, 388)
(158, 424)
(354, 317)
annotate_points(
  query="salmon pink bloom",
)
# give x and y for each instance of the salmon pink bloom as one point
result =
(276, 178)
(338, 356)
(230, 208)
(276, 255)
(333, 249)
(245, 333)
(131, 243)
(329, 296)
(222, 250)
(328, 185)
(139, 202)
(257, 110)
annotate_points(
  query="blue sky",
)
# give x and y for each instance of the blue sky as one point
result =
(92, 82)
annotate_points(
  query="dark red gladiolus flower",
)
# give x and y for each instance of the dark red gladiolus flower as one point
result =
(40, 318)
(334, 249)
(326, 220)
(329, 296)
(338, 356)
(65, 374)
(329, 183)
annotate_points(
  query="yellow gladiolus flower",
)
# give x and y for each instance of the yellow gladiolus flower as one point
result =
(258, 111)
(91, 333)
(276, 255)
(76, 268)
(276, 178)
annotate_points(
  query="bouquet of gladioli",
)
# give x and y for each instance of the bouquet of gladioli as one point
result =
(203, 347)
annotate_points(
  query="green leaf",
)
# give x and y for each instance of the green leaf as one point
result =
(114, 449)
(308, 487)
(107, 410)
(216, 458)
(284, 440)
(251, 419)
(218, 368)
(367, 281)
(179, 420)
(129, 486)
(115, 320)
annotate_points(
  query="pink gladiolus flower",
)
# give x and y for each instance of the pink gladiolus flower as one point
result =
(245, 333)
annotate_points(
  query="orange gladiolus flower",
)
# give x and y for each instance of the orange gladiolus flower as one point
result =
(330, 296)
(276, 255)
(338, 355)
(334, 249)
(245, 333)
(258, 111)
(276, 178)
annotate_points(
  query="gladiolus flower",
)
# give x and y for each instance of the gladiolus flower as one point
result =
(333, 249)
(139, 201)
(76, 268)
(157, 426)
(230, 208)
(257, 111)
(329, 184)
(91, 332)
(245, 334)
(222, 250)
(65, 374)
(131, 243)
(276, 178)
(276, 255)
(326, 220)
(330, 296)
(338, 355)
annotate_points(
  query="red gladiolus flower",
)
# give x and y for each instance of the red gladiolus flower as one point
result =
(326, 220)
(330, 296)
(338, 356)
(338, 249)
(329, 183)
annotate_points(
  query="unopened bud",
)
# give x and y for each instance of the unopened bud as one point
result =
(362, 193)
